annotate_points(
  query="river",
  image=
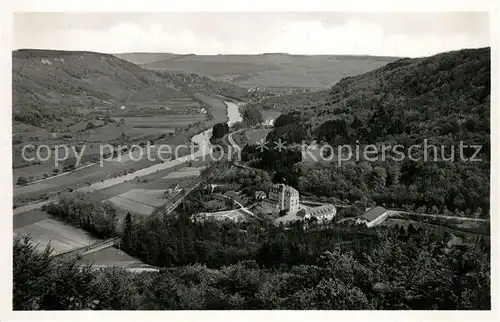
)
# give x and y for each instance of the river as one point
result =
(233, 115)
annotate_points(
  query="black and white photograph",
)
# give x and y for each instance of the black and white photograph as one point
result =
(308, 160)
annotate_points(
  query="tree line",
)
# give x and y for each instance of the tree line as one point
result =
(403, 272)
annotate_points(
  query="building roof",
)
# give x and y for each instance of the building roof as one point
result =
(322, 210)
(280, 186)
(373, 214)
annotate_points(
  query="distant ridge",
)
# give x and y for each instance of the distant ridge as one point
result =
(268, 70)
(441, 100)
(28, 52)
(145, 58)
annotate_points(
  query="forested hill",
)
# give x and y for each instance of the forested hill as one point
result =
(444, 99)
(47, 84)
(444, 94)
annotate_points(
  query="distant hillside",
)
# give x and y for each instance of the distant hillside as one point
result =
(450, 87)
(271, 70)
(192, 82)
(145, 58)
(443, 99)
(49, 84)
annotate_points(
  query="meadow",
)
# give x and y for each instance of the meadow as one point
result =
(61, 236)
(129, 130)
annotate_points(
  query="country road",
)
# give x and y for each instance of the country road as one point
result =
(242, 208)
(230, 138)
(438, 216)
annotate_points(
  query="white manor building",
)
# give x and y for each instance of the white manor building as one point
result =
(283, 197)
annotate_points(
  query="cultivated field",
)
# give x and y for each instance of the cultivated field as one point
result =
(29, 217)
(127, 130)
(186, 172)
(269, 114)
(62, 237)
(254, 136)
(269, 70)
(149, 197)
(67, 109)
(132, 206)
(113, 257)
(144, 194)
(110, 169)
(95, 173)
(162, 121)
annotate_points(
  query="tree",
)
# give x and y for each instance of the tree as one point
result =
(283, 212)
(253, 115)
(377, 178)
(96, 217)
(128, 232)
(29, 269)
(117, 289)
(42, 283)
(301, 213)
(330, 130)
(333, 294)
(219, 130)
(478, 212)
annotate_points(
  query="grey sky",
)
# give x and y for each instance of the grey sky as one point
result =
(392, 34)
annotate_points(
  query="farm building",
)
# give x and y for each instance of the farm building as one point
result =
(373, 217)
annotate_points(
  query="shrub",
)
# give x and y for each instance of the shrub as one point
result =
(22, 181)
(79, 210)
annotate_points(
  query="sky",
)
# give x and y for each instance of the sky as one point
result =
(405, 34)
